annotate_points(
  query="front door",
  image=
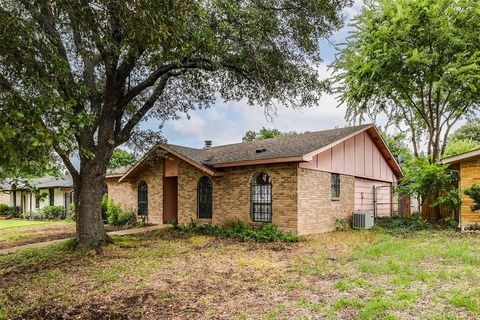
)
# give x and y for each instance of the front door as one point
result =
(170, 199)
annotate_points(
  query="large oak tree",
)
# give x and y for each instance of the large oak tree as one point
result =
(86, 73)
(418, 63)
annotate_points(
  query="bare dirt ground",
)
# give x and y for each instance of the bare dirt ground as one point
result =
(175, 275)
(21, 235)
(36, 231)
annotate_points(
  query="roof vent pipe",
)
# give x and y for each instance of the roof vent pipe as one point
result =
(208, 145)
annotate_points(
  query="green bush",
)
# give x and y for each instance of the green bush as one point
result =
(104, 207)
(239, 230)
(401, 225)
(71, 216)
(113, 212)
(127, 218)
(53, 213)
(474, 193)
(116, 216)
(4, 209)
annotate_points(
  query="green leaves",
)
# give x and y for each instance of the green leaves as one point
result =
(474, 193)
(121, 158)
(420, 59)
(423, 180)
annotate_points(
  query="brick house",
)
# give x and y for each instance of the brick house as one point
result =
(300, 182)
(468, 165)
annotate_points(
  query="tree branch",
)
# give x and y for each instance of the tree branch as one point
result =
(147, 106)
(195, 63)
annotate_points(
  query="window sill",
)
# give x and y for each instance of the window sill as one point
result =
(335, 199)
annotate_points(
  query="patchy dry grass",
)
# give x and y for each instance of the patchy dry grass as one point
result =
(19, 232)
(174, 275)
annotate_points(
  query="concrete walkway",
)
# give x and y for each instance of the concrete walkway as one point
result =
(125, 232)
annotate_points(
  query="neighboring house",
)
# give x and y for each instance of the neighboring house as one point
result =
(4, 195)
(38, 193)
(300, 182)
(468, 165)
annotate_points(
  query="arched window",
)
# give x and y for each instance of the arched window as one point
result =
(142, 198)
(204, 198)
(261, 197)
(104, 190)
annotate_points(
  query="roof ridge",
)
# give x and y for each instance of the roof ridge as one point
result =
(273, 138)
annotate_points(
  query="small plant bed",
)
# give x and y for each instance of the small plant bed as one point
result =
(265, 233)
(404, 225)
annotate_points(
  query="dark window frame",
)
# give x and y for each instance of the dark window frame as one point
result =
(142, 198)
(261, 199)
(104, 190)
(205, 198)
(335, 185)
(51, 196)
(37, 200)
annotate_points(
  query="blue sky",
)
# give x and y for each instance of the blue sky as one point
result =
(227, 122)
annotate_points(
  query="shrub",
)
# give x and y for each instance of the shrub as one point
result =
(4, 209)
(10, 212)
(127, 218)
(71, 216)
(113, 212)
(474, 193)
(117, 217)
(239, 230)
(449, 223)
(104, 207)
(52, 213)
(401, 225)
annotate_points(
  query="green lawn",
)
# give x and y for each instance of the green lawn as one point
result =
(176, 275)
(10, 224)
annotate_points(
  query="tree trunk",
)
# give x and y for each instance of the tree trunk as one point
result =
(88, 205)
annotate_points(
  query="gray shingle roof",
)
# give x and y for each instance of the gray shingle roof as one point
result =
(64, 181)
(294, 145)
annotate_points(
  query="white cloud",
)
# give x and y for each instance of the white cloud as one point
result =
(227, 122)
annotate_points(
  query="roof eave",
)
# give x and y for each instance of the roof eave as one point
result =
(194, 163)
(460, 157)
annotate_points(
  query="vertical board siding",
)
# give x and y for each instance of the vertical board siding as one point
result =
(359, 143)
(358, 156)
(324, 161)
(364, 196)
